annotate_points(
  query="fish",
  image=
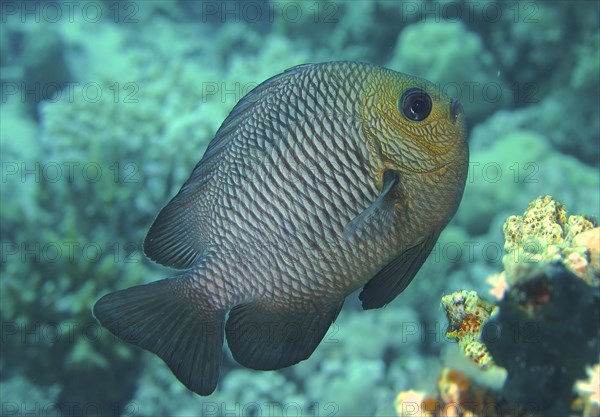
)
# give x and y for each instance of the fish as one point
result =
(322, 180)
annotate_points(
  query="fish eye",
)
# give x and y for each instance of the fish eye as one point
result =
(415, 104)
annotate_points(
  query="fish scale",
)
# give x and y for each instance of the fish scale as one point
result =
(322, 179)
(277, 207)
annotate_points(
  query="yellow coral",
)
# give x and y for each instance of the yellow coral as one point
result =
(478, 353)
(461, 397)
(458, 396)
(543, 234)
(467, 313)
(544, 219)
(577, 225)
(413, 403)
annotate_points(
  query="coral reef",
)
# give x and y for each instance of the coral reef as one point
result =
(467, 313)
(576, 135)
(474, 82)
(501, 181)
(456, 396)
(544, 235)
(543, 330)
(550, 281)
(37, 69)
(551, 277)
(537, 343)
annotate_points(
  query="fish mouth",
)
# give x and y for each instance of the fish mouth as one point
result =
(455, 109)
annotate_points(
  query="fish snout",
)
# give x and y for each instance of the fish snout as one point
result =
(456, 108)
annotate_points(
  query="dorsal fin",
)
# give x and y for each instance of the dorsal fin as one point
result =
(177, 238)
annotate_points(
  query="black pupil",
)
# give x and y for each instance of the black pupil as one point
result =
(415, 104)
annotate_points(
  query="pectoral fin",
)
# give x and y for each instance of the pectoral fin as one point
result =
(395, 276)
(381, 210)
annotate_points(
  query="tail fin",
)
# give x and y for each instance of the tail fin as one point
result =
(165, 318)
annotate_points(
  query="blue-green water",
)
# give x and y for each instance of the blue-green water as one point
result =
(107, 106)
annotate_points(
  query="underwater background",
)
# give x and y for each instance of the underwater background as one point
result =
(107, 107)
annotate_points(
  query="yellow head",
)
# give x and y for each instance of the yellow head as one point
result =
(410, 125)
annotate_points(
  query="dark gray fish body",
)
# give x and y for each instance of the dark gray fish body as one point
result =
(315, 185)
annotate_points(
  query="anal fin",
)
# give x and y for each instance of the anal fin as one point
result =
(159, 318)
(267, 337)
(396, 275)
